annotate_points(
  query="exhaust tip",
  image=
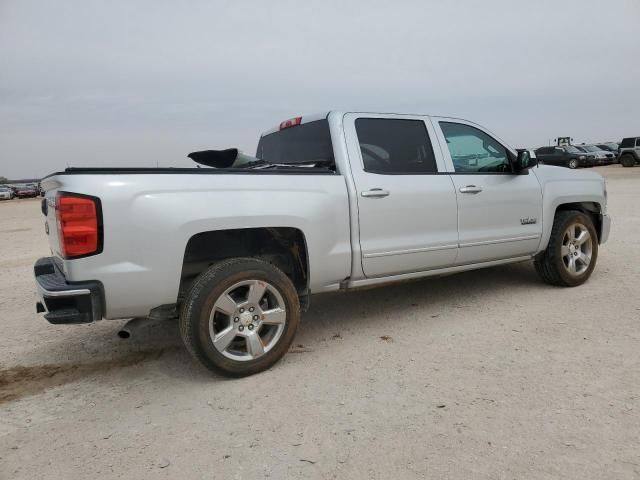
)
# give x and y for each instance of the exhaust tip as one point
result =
(124, 334)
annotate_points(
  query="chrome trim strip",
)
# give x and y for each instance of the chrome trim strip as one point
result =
(413, 250)
(502, 240)
(62, 293)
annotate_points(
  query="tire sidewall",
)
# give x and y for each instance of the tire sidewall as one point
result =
(627, 161)
(556, 247)
(207, 290)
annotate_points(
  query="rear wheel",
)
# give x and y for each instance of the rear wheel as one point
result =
(240, 316)
(628, 160)
(573, 163)
(572, 251)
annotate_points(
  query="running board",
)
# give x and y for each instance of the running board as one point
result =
(367, 282)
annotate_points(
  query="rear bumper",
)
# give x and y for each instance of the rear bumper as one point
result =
(605, 229)
(65, 302)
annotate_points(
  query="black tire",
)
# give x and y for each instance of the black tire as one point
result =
(573, 164)
(550, 264)
(200, 301)
(627, 160)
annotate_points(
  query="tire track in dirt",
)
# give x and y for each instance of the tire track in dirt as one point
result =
(20, 381)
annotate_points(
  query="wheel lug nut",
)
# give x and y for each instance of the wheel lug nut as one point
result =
(241, 328)
(236, 319)
(242, 310)
(255, 317)
(251, 309)
(251, 326)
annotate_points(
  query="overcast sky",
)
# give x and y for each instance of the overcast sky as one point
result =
(140, 83)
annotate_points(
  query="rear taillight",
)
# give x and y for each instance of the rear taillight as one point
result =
(79, 225)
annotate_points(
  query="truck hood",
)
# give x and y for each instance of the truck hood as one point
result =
(552, 173)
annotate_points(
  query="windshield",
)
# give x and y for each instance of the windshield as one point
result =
(591, 148)
(571, 149)
(303, 143)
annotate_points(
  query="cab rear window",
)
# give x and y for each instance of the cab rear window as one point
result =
(304, 143)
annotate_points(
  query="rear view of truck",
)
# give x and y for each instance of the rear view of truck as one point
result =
(74, 227)
(227, 251)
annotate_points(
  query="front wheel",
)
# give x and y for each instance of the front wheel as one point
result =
(573, 163)
(572, 251)
(240, 316)
(628, 161)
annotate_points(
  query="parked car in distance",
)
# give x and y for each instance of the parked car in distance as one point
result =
(602, 157)
(566, 156)
(6, 193)
(612, 147)
(629, 151)
(27, 191)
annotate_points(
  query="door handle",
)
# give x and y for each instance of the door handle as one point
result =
(470, 189)
(376, 192)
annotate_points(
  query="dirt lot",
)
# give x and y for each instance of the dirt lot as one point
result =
(487, 374)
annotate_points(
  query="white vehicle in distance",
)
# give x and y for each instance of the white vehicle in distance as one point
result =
(334, 201)
(6, 193)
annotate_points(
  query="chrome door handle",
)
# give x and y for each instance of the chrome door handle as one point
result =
(470, 189)
(376, 192)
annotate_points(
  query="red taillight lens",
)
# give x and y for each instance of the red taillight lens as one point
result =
(78, 225)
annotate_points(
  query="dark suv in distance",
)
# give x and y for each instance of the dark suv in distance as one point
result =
(567, 156)
(629, 151)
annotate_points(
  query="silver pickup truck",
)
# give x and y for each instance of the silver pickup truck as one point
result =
(333, 201)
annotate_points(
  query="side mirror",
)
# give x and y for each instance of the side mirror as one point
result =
(524, 161)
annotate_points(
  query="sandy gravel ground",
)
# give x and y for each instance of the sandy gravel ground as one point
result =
(488, 374)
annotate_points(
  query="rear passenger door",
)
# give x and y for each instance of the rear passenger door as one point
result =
(407, 211)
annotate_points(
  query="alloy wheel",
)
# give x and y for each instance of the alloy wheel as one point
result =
(576, 250)
(247, 320)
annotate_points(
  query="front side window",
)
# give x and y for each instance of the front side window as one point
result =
(473, 151)
(627, 142)
(395, 146)
(638, 142)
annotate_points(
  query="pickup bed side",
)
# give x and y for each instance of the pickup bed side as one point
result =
(152, 217)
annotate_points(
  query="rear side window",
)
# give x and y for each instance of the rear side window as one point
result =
(395, 146)
(305, 143)
(545, 150)
(638, 142)
(627, 142)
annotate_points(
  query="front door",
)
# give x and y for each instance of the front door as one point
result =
(499, 212)
(407, 211)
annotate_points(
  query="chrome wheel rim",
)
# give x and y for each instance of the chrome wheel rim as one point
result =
(247, 320)
(577, 248)
(573, 164)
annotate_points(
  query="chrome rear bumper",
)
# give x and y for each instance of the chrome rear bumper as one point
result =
(65, 302)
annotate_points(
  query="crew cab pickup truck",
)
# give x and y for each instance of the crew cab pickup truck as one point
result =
(330, 202)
